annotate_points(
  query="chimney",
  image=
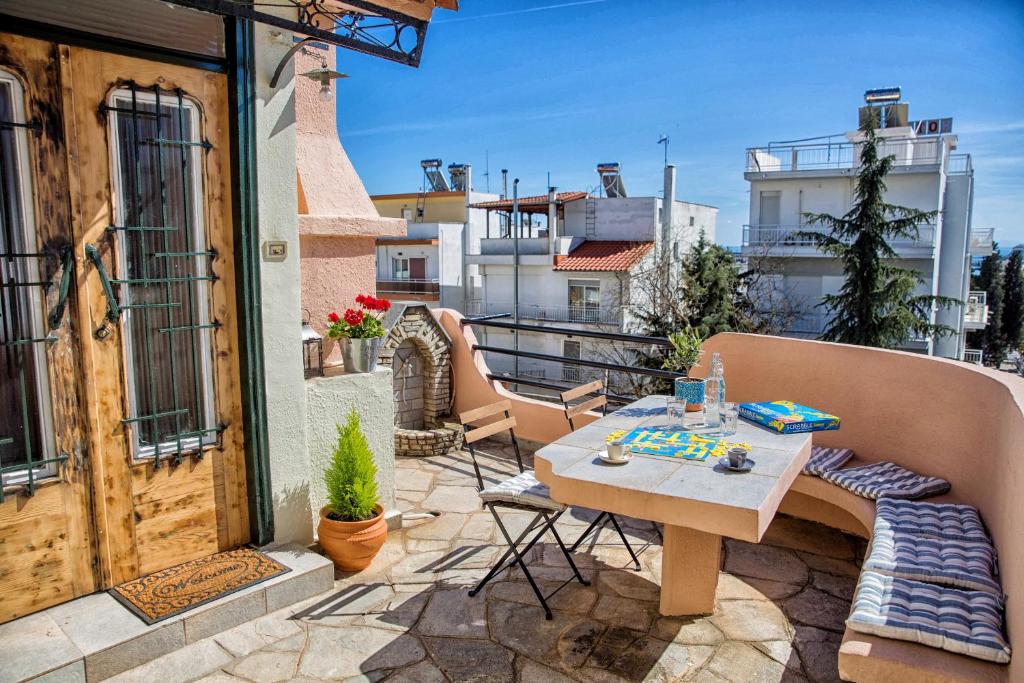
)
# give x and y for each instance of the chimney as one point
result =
(504, 183)
(552, 220)
(668, 205)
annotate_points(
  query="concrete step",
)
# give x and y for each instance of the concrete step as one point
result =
(95, 637)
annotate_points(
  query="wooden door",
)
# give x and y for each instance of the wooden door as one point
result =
(47, 537)
(417, 269)
(150, 196)
(125, 454)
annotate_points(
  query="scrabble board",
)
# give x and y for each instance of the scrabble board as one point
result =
(674, 442)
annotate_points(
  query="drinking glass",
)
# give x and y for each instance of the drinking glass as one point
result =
(676, 411)
(730, 418)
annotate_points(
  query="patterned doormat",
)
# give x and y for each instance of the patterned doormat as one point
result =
(174, 590)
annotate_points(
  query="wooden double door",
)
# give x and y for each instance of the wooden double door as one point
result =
(121, 444)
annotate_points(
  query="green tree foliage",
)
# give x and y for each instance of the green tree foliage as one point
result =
(877, 304)
(351, 477)
(713, 290)
(990, 278)
(1012, 319)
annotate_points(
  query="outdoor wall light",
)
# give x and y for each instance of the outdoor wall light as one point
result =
(323, 75)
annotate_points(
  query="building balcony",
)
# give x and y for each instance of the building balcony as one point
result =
(792, 240)
(589, 315)
(976, 311)
(982, 241)
(418, 289)
(843, 158)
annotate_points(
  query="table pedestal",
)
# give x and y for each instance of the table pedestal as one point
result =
(689, 571)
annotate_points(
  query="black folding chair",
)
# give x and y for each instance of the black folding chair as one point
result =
(520, 492)
(571, 411)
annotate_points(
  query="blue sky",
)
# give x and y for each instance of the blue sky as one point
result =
(557, 86)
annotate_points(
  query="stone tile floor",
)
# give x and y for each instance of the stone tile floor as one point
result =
(781, 606)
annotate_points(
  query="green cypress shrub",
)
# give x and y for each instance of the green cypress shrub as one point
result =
(351, 477)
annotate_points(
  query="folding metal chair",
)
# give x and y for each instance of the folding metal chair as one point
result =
(520, 492)
(571, 411)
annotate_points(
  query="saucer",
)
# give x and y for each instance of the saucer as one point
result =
(604, 456)
(747, 466)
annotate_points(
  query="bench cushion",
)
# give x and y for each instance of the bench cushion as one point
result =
(961, 564)
(965, 622)
(522, 489)
(937, 520)
(826, 459)
(886, 479)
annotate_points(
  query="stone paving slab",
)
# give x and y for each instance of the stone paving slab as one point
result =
(408, 617)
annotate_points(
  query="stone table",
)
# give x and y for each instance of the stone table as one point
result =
(698, 502)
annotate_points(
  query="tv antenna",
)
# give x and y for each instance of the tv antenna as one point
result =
(663, 140)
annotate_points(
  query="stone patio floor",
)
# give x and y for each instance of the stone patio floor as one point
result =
(408, 618)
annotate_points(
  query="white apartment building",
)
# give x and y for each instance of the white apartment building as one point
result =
(576, 270)
(788, 180)
(429, 263)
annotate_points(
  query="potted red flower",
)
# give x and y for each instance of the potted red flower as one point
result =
(359, 332)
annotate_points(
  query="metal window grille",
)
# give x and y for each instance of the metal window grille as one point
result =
(164, 275)
(26, 447)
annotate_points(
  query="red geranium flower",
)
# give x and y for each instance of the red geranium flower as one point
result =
(383, 305)
(353, 317)
(333, 317)
(361, 299)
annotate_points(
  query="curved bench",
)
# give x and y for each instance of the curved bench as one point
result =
(864, 657)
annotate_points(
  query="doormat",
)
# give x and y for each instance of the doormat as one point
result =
(174, 590)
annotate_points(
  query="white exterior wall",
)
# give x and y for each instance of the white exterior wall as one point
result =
(301, 414)
(628, 218)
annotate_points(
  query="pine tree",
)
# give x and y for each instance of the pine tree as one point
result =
(990, 339)
(1012, 319)
(877, 304)
(712, 289)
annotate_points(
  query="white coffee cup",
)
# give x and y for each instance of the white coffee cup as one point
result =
(616, 450)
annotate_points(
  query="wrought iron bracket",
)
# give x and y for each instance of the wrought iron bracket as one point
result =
(367, 28)
(113, 309)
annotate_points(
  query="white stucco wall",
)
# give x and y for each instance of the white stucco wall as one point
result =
(280, 284)
(328, 401)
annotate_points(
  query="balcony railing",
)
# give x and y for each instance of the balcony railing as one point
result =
(596, 315)
(790, 236)
(843, 155)
(976, 311)
(973, 356)
(409, 286)
(981, 241)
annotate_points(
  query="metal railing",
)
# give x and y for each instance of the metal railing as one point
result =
(973, 356)
(408, 286)
(981, 241)
(595, 315)
(843, 155)
(795, 236)
(976, 310)
(959, 164)
(574, 371)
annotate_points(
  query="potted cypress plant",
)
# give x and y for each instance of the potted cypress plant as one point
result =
(687, 348)
(352, 528)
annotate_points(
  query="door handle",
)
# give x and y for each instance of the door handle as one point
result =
(66, 266)
(113, 307)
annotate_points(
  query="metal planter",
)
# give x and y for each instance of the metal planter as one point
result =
(360, 355)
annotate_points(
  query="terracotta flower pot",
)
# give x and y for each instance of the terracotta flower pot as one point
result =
(352, 545)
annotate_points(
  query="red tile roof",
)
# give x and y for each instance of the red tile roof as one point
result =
(606, 255)
(532, 203)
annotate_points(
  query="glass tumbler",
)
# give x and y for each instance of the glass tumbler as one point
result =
(676, 410)
(730, 413)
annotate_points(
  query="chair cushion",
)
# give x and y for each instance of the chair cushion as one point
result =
(522, 489)
(936, 520)
(961, 564)
(886, 479)
(826, 459)
(966, 622)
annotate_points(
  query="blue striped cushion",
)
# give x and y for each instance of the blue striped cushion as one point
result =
(522, 489)
(826, 459)
(886, 479)
(937, 520)
(962, 564)
(966, 622)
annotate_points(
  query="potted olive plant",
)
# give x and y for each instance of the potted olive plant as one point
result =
(687, 348)
(352, 528)
(359, 332)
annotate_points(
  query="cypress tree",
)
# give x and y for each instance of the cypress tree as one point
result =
(877, 304)
(1012, 319)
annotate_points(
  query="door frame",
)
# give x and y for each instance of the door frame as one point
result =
(239, 65)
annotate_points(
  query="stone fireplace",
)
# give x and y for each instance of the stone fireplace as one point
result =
(419, 352)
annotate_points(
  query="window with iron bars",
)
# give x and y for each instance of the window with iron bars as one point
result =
(164, 278)
(27, 450)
